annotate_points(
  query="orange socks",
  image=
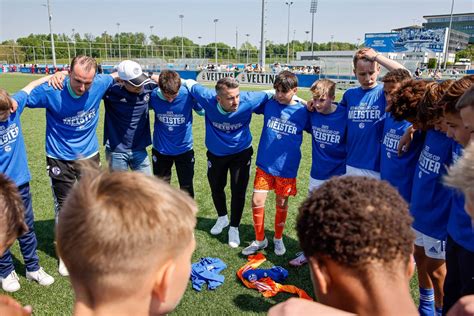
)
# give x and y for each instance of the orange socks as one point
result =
(280, 219)
(259, 222)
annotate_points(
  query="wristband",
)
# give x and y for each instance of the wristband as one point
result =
(375, 57)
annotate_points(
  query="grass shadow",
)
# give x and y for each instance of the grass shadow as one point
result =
(247, 235)
(44, 230)
(249, 303)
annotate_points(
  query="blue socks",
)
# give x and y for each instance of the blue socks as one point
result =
(439, 311)
(426, 307)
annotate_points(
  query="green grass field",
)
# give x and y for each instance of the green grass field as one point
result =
(232, 297)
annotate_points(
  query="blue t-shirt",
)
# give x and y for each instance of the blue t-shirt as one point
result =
(460, 226)
(228, 133)
(365, 108)
(279, 152)
(71, 122)
(173, 132)
(328, 133)
(430, 199)
(398, 170)
(13, 161)
(127, 123)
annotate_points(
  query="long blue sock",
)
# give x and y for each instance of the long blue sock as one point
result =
(439, 311)
(426, 307)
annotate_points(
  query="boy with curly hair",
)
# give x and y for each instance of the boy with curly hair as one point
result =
(394, 168)
(460, 234)
(430, 203)
(327, 126)
(356, 233)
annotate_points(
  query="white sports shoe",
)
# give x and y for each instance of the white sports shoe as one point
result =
(299, 260)
(40, 276)
(221, 223)
(255, 246)
(10, 283)
(234, 238)
(62, 268)
(279, 246)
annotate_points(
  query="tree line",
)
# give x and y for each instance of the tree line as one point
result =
(37, 47)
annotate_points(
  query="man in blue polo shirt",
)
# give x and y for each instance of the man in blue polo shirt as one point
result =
(13, 163)
(173, 133)
(229, 142)
(72, 115)
(127, 123)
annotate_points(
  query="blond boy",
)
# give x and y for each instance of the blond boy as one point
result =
(356, 233)
(328, 133)
(126, 240)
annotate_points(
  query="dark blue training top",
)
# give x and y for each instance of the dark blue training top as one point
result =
(127, 123)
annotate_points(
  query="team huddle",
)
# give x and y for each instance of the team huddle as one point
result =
(354, 229)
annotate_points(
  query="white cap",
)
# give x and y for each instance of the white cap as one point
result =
(131, 72)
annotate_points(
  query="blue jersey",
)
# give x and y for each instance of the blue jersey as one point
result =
(460, 226)
(173, 132)
(328, 134)
(71, 122)
(279, 152)
(13, 160)
(398, 170)
(228, 133)
(430, 199)
(127, 123)
(365, 109)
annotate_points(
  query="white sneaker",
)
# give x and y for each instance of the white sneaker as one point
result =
(299, 260)
(221, 223)
(62, 268)
(255, 246)
(11, 283)
(279, 246)
(40, 276)
(234, 238)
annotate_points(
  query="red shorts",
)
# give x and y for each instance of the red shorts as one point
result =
(267, 182)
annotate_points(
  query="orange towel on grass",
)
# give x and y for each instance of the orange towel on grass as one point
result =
(267, 286)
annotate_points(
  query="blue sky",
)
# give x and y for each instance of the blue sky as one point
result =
(346, 20)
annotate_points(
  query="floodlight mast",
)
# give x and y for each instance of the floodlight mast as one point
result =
(313, 9)
(262, 38)
(215, 37)
(118, 35)
(449, 35)
(50, 16)
(288, 3)
(181, 16)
